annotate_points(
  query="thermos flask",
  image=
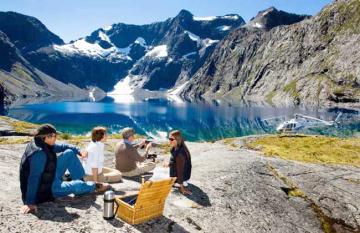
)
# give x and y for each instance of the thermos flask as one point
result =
(109, 203)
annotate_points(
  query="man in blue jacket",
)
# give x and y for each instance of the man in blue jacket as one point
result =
(42, 167)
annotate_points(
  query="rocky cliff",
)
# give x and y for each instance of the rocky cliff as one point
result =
(2, 99)
(315, 61)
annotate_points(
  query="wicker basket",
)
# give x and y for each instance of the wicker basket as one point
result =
(147, 204)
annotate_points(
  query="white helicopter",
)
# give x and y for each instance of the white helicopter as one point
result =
(301, 121)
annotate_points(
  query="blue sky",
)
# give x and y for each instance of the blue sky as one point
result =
(72, 19)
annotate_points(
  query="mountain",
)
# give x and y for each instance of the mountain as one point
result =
(315, 61)
(19, 79)
(271, 17)
(27, 33)
(154, 56)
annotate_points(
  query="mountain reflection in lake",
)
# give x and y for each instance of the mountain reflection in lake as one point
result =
(198, 121)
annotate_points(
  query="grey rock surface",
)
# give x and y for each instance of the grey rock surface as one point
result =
(233, 191)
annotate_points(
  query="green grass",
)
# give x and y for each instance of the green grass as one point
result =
(270, 96)
(230, 142)
(290, 88)
(20, 126)
(14, 140)
(310, 149)
(19, 71)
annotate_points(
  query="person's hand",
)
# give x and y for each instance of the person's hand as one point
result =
(84, 154)
(148, 146)
(165, 164)
(184, 191)
(142, 143)
(28, 209)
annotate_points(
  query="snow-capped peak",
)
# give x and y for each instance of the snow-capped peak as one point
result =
(83, 47)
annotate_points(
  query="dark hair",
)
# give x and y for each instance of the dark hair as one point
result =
(98, 133)
(44, 131)
(180, 141)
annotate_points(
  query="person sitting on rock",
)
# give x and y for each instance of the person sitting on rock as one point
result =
(127, 159)
(94, 163)
(41, 170)
(180, 161)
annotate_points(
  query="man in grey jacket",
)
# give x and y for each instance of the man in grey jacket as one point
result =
(127, 159)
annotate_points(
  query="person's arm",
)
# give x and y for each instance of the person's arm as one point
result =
(95, 174)
(37, 165)
(62, 147)
(140, 145)
(142, 158)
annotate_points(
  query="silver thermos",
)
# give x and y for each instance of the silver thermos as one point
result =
(109, 204)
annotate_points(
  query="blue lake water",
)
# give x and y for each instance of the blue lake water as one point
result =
(198, 121)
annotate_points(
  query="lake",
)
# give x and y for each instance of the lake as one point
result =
(199, 121)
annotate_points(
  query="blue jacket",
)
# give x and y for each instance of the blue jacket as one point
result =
(37, 162)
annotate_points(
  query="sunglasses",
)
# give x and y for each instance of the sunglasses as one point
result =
(171, 139)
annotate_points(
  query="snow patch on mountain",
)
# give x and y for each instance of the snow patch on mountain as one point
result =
(123, 87)
(189, 54)
(211, 18)
(91, 95)
(94, 50)
(107, 28)
(201, 42)
(125, 50)
(158, 52)
(208, 42)
(224, 28)
(141, 41)
(231, 17)
(173, 94)
(104, 37)
(265, 13)
(258, 25)
(83, 47)
(194, 37)
(206, 18)
(177, 90)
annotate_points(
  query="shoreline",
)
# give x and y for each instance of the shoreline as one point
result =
(13, 127)
(237, 188)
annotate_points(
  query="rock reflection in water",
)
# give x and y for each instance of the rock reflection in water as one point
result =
(198, 120)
